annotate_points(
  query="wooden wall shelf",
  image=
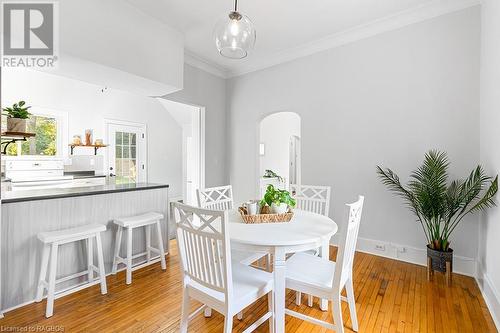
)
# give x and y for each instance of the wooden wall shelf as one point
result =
(72, 146)
(12, 137)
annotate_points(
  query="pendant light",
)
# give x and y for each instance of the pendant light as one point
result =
(234, 34)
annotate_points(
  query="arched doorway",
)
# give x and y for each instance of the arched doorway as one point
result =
(279, 150)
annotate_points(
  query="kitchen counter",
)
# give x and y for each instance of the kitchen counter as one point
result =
(56, 193)
(27, 213)
(85, 174)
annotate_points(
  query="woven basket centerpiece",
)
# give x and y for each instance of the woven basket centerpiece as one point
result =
(265, 216)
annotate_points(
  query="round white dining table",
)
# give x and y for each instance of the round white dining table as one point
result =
(306, 231)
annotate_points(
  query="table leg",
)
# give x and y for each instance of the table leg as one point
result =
(325, 254)
(279, 290)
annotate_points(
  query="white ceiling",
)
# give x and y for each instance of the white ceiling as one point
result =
(284, 26)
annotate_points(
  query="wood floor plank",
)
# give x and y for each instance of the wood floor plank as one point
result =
(391, 296)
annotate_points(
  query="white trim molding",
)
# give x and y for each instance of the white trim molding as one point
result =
(205, 65)
(410, 254)
(426, 11)
(490, 294)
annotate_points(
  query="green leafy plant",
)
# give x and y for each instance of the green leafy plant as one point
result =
(438, 205)
(271, 174)
(277, 196)
(18, 110)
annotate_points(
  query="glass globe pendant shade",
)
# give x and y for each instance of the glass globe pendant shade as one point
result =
(234, 35)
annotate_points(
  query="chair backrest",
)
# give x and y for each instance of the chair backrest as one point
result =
(204, 247)
(312, 198)
(216, 198)
(347, 244)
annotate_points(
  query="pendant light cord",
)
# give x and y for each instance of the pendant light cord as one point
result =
(235, 5)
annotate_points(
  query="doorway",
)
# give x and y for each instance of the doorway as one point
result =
(126, 159)
(279, 151)
(192, 120)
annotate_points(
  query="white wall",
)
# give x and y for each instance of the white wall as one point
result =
(275, 133)
(209, 91)
(99, 45)
(87, 107)
(383, 100)
(489, 235)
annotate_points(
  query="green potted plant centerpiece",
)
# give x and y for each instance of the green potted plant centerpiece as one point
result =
(440, 205)
(278, 200)
(16, 117)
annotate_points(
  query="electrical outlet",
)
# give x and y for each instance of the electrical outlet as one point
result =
(402, 249)
(380, 247)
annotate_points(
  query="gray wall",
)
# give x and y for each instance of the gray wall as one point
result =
(383, 100)
(207, 90)
(489, 245)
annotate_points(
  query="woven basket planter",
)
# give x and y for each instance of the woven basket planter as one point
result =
(441, 261)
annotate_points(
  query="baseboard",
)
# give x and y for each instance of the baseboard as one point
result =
(490, 294)
(461, 265)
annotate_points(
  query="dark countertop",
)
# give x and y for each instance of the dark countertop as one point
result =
(84, 174)
(56, 193)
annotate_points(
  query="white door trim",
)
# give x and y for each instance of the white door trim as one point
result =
(143, 128)
(202, 147)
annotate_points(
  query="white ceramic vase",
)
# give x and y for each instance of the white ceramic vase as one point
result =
(279, 209)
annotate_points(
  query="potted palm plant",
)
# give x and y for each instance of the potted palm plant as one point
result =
(278, 200)
(439, 205)
(16, 117)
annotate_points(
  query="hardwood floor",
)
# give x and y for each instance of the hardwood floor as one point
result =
(391, 296)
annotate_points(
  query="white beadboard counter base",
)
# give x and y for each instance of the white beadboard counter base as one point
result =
(23, 219)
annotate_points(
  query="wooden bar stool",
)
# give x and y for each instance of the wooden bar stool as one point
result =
(51, 241)
(130, 223)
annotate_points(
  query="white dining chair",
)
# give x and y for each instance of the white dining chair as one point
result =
(315, 199)
(209, 274)
(312, 198)
(326, 279)
(221, 198)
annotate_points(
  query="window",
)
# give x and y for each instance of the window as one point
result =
(126, 161)
(49, 136)
(45, 141)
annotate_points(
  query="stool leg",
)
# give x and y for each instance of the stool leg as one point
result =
(129, 256)
(100, 260)
(52, 281)
(309, 301)
(43, 272)
(90, 259)
(148, 243)
(118, 243)
(160, 246)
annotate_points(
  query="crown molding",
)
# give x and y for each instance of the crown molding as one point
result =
(418, 14)
(205, 65)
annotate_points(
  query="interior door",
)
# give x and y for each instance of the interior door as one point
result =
(294, 171)
(190, 173)
(127, 153)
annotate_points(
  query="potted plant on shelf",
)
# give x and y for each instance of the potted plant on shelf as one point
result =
(278, 200)
(271, 174)
(16, 117)
(440, 205)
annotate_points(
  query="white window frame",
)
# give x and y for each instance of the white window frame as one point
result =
(62, 139)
